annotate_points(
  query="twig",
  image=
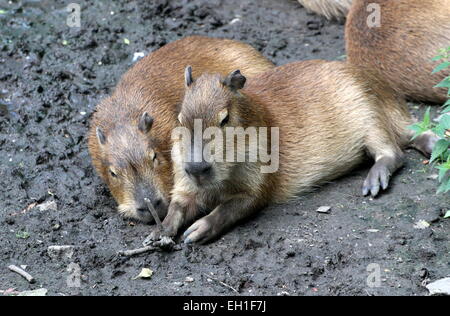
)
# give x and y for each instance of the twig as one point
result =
(25, 210)
(164, 244)
(138, 251)
(154, 214)
(222, 283)
(22, 273)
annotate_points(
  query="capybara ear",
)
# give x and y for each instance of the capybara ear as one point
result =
(145, 123)
(188, 76)
(235, 80)
(100, 136)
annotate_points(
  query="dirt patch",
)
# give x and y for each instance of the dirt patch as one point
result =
(51, 78)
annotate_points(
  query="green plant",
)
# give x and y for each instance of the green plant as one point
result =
(441, 151)
(22, 235)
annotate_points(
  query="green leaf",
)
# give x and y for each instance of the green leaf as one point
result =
(441, 67)
(445, 155)
(446, 108)
(445, 121)
(439, 131)
(22, 235)
(447, 164)
(417, 129)
(445, 187)
(422, 127)
(442, 173)
(427, 118)
(443, 177)
(439, 149)
(444, 83)
(437, 58)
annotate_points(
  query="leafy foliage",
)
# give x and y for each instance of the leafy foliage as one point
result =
(441, 151)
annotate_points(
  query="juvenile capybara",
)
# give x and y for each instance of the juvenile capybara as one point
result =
(399, 39)
(329, 115)
(337, 9)
(129, 138)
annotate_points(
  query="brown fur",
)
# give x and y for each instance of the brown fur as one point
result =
(330, 114)
(411, 34)
(153, 85)
(336, 9)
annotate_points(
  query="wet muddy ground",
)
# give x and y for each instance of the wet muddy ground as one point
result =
(52, 76)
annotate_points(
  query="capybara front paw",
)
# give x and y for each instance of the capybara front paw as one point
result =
(200, 232)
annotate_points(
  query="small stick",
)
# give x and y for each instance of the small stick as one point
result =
(164, 244)
(222, 283)
(154, 214)
(138, 251)
(22, 273)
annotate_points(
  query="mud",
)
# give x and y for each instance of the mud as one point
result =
(52, 76)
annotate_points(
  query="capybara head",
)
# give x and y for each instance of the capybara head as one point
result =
(211, 108)
(126, 157)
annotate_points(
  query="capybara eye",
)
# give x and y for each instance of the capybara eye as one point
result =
(113, 174)
(154, 156)
(225, 121)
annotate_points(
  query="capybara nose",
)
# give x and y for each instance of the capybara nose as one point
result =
(143, 208)
(198, 168)
(156, 203)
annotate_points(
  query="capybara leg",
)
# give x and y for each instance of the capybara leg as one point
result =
(389, 157)
(219, 220)
(425, 143)
(380, 174)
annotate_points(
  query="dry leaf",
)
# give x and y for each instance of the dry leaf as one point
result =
(145, 274)
(39, 292)
(422, 224)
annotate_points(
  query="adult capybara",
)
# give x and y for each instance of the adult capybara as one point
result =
(329, 116)
(129, 137)
(399, 39)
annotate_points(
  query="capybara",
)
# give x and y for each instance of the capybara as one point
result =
(399, 39)
(129, 137)
(337, 9)
(329, 115)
